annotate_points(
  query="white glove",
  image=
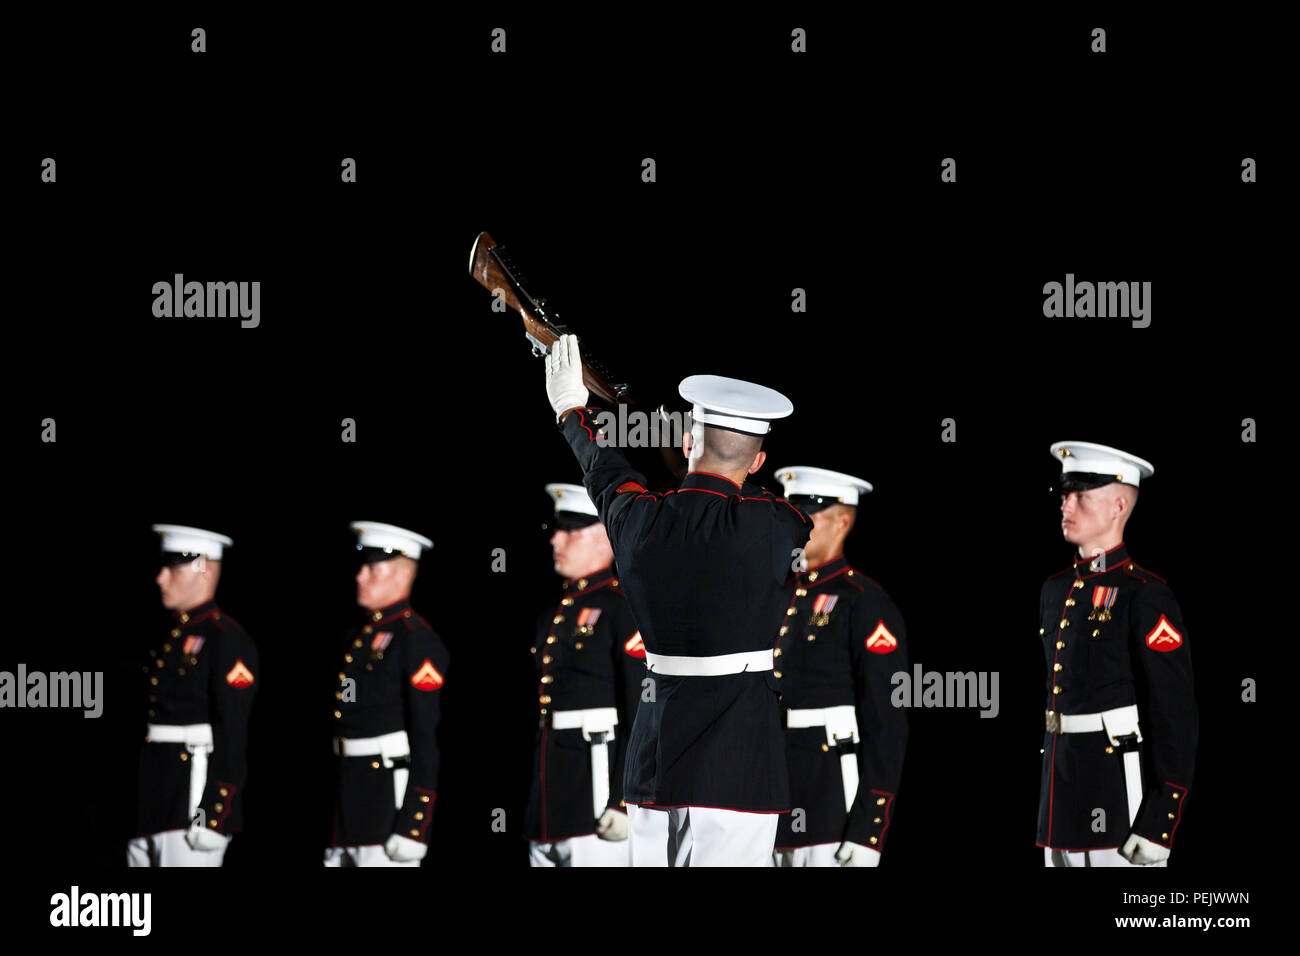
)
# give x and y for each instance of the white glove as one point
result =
(1140, 850)
(564, 376)
(855, 854)
(612, 825)
(400, 849)
(201, 839)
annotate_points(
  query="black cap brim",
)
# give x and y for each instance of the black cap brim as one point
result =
(1081, 481)
(573, 520)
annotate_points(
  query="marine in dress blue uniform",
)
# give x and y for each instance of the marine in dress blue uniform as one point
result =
(202, 678)
(590, 663)
(703, 567)
(842, 641)
(1121, 717)
(387, 705)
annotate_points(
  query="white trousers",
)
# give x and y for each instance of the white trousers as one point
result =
(169, 849)
(1089, 858)
(700, 836)
(368, 855)
(588, 850)
(819, 854)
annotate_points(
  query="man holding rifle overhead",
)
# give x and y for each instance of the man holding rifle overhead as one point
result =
(703, 568)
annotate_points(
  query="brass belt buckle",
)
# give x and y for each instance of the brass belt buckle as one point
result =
(1053, 722)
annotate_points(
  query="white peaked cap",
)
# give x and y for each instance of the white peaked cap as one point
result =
(806, 480)
(179, 538)
(731, 403)
(372, 534)
(1085, 456)
(572, 498)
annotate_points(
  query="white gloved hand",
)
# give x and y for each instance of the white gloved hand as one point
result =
(564, 385)
(201, 839)
(855, 854)
(612, 825)
(1140, 850)
(401, 849)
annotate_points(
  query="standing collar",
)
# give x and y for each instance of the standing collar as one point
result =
(589, 583)
(1112, 560)
(708, 481)
(821, 573)
(196, 614)
(390, 613)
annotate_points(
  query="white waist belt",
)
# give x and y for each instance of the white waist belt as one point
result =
(709, 666)
(841, 723)
(197, 739)
(387, 746)
(191, 735)
(598, 721)
(1117, 723)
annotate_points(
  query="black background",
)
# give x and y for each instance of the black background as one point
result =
(774, 172)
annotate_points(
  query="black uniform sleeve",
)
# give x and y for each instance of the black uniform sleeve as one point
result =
(425, 663)
(605, 469)
(878, 649)
(232, 682)
(1169, 724)
(629, 671)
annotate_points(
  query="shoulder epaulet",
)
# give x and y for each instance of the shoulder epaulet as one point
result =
(856, 577)
(1132, 566)
(221, 619)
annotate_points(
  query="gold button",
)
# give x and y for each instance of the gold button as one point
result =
(153, 680)
(532, 650)
(376, 616)
(551, 639)
(176, 632)
(419, 814)
(1042, 630)
(365, 630)
(1056, 690)
(544, 699)
(547, 678)
(546, 658)
(578, 645)
(557, 619)
(873, 841)
(185, 756)
(370, 667)
(1095, 633)
(406, 613)
(565, 602)
(1041, 750)
(1171, 816)
(826, 747)
(338, 714)
(424, 798)
(1177, 795)
(812, 637)
(347, 658)
(342, 676)
(849, 572)
(1064, 623)
(1057, 666)
(218, 807)
(1110, 750)
(185, 619)
(181, 671)
(159, 662)
(1069, 602)
(1077, 584)
(880, 801)
(800, 592)
(1164, 836)
(167, 648)
(784, 628)
(876, 820)
(582, 583)
(1130, 567)
(415, 833)
(374, 764)
(338, 695)
(1060, 645)
(776, 673)
(790, 611)
(777, 652)
(357, 642)
(812, 575)
(224, 792)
